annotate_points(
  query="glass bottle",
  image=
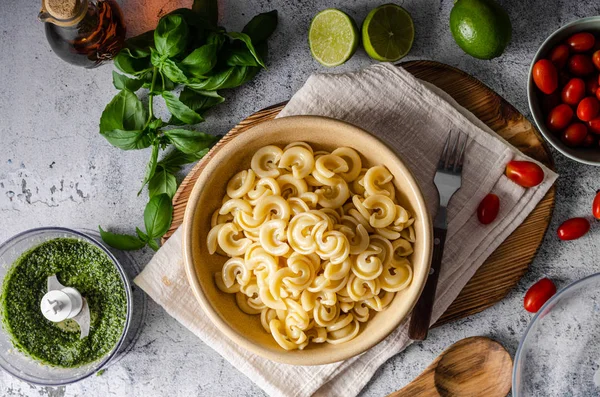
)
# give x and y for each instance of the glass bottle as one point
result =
(83, 32)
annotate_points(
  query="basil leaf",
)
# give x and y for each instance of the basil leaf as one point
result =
(155, 125)
(261, 27)
(243, 37)
(152, 244)
(231, 77)
(201, 60)
(158, 216)
(125, 112)
(207, 9)
(139, 46)
(123, 82)
(170, 69)
(156, 59)
(216, 38)
(200, 100)
(175, 159)
(189, 141)
(151, 167)
(127, 63)
(240, 57)
(180, 110)
(170, 36)
(128, 140)
(163, 182)
(143, 236)
(123, 242)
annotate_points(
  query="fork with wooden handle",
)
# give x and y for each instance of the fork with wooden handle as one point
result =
(447, 181)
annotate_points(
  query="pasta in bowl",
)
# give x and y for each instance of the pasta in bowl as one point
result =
(306, 240)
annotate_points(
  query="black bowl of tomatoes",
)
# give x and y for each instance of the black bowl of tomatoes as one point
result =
(564, 90)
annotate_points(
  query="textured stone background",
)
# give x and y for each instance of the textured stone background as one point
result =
(56, 170)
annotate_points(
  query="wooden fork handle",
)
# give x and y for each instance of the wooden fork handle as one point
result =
(421, 315)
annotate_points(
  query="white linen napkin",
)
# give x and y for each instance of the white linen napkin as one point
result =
(413, 118)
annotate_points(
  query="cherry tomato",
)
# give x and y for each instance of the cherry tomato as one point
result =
(538, 294)
(596, 59)
(581, 65)
(488, 209)
(588, 108)
(549, 102)
(581, 42)
(598, 94)
(545, 76)
(559, 117)
(560, 55)
(589, 141)
(573, 228)
(594, 125)
(574, 135)
(573, 91)
(596, 206)
(524, 173)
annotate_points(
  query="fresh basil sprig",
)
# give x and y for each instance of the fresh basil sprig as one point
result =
(184, 61)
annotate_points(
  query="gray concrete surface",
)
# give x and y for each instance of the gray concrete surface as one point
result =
(56, 170)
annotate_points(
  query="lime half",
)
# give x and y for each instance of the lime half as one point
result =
(332, 37)
(388, 33)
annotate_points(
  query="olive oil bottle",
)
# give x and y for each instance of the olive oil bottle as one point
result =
(83, 32)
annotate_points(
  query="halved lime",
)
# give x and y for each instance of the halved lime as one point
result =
(332, 37)
(388, 33)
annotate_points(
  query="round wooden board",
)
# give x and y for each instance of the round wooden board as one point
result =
(505, 267)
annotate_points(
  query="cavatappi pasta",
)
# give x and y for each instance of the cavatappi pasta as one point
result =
(315, 242)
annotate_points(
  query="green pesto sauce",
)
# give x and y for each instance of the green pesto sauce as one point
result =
(77, 264)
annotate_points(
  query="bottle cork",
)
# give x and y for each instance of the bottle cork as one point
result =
(62, 9)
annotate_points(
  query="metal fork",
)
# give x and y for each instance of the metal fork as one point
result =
(447, 181)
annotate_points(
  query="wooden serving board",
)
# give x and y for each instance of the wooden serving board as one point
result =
(505, 267)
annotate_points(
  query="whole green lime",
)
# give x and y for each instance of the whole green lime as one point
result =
(480, 27)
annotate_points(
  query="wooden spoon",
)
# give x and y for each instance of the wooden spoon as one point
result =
(476, 366)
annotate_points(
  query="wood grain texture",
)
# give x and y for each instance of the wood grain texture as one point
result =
(476, 366)
(505, 267)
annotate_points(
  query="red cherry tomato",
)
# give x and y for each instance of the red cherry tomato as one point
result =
(594, 125)
(591, 86)
(596, 59)
(559, 117)
(588, 108)
(581, 42)
(545, 76)
(488, 209)
(598, 94)
(524, 173)
(596, 206)
(574, 135)
(581, 65)
(589, 141)
(573, 228)
(538, 294)
(559, 55)
(573, 91)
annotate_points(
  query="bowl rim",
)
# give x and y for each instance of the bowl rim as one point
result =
(540, 124)
(312, 357)
(550, 302)
(103, 362)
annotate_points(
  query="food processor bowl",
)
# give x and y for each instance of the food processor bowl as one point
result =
(26, 368)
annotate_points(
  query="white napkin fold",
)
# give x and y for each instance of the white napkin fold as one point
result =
(413, 118)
